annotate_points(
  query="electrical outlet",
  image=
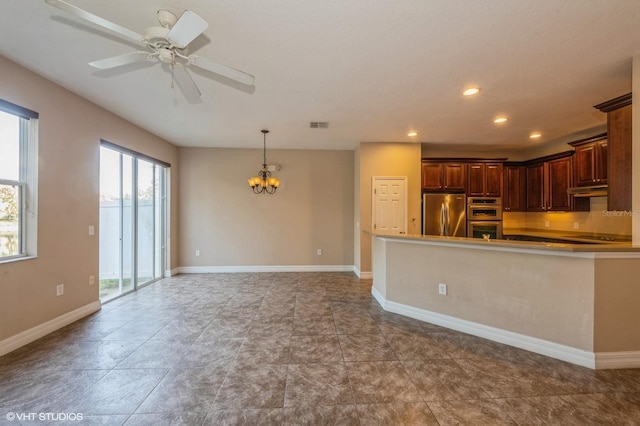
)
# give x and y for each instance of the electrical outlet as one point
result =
(319, 252)
(197, 253)
(546, 223)
(92, 230)
(576, 225)
(59, 289)
(442, 289)
(92, 279)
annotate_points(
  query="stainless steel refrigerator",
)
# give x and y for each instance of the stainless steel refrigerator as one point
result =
(444, 214)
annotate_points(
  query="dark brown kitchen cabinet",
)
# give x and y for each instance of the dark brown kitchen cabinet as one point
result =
(536, 183)
(547, 184)
(590, 161)
(443, 176)
(618, 151)
(484, 179)
(514, 188)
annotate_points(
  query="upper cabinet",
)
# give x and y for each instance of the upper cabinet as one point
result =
(547, 182)
(484, 179)
(618, 151)
(590, 161)
(514, 191)
(442, 176)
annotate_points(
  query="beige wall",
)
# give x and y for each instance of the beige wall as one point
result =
(635, 152)
(387, 159)
(357, 258)
(515, 152)
(70, 129)
(232, 226)
(539, 295)
(617, 305)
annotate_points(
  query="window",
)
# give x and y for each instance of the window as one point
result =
(18, 181)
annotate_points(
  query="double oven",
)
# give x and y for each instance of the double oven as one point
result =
(484, 217)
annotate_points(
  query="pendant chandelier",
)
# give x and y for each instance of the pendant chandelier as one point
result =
(264, 183)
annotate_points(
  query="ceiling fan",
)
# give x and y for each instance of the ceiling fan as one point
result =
(167, 43)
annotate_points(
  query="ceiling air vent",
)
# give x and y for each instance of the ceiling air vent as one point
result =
(319, 124)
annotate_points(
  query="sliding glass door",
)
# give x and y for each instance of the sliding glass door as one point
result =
(132, 222)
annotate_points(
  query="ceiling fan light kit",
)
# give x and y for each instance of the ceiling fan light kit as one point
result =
(167, 43)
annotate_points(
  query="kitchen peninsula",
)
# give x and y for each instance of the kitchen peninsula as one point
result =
(575, 302)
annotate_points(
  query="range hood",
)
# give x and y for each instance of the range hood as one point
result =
(589, 191)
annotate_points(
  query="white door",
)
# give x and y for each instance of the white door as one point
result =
(389, 205)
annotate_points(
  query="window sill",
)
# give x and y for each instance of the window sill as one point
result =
(16, 259)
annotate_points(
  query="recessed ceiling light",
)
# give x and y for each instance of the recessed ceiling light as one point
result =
(535, 135)
(412, 134)
(500, 119)
(471, 91)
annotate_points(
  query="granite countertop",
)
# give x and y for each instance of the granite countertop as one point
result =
(605, 246)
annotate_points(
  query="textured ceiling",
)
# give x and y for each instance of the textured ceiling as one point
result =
(374, 69)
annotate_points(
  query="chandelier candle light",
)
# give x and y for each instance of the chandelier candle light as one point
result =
(264, 182)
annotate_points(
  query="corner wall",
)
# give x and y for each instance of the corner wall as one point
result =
(70, 129)
(388, 159)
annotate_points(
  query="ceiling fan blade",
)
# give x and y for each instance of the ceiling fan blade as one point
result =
(186, 84)
(74, 10)
(117, 61)
(188, 27)
(223, 70)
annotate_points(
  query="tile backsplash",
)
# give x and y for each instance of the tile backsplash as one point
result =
(599, 220)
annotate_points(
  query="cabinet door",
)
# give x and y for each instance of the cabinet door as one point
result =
(619, 152)
(455, 176)
(493, 180)
(602, 165)
(535, 188)
(476, 180)
(559, 181)
(585, 164)
(513, 195)
(432, 176)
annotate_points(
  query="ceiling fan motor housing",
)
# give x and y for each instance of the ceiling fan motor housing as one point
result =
(166, 18)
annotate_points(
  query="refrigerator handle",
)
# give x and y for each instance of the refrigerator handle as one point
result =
(442, 219)
(447, 221)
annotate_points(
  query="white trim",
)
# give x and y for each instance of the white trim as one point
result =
(610, 360)
(362, 275)
(171, 272)
(596, 361)
(544, 347)
(16, 341)
(265, 268)
(379, 298)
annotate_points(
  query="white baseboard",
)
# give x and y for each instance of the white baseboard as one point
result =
(611, 360)
(265, 268)
(171, 272)
(379, 298)
(532, 344)
(16, 341)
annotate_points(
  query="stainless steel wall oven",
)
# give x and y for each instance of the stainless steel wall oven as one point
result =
(484, 217)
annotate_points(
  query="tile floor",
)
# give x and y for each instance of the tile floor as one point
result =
(292, 349)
